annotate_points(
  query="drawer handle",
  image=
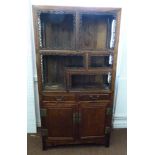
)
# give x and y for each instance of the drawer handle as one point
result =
(94, 97)
(60, 98)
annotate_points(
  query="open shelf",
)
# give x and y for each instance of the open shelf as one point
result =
(57, 30)
(95, 31)
(54, 69)
(100, 61)
(88, 80)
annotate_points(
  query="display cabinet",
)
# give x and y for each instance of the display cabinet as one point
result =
(76, 57)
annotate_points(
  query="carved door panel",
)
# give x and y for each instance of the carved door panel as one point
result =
(60, 122)
(92, 120)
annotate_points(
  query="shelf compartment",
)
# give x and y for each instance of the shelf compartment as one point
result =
(53, 69)
(97, 61)
(95, 31)
(88, 80)
(58, 30)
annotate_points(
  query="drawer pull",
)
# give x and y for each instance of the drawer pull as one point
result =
(94, 97)
(60, 98)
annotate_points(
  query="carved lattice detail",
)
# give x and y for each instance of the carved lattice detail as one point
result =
(109, 77)
(39, 30)
(113, 33)
(74, 32)
(80, 28)
(110, 59)
(42, 72)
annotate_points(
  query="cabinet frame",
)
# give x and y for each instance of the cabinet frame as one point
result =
(37, 9)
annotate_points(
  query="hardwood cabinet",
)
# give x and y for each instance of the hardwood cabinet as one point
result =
(76, 57)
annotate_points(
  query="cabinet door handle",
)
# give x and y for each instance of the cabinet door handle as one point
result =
(74, 118)
(79, 120)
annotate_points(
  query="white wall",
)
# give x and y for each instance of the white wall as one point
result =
(31, 101)
(120, 110)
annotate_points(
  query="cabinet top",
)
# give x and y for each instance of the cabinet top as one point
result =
(74, 8)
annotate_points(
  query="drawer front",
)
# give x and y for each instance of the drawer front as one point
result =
(92, 97)
(59, 98)
(50, 104)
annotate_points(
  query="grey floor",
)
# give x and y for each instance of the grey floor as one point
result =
(118, 146)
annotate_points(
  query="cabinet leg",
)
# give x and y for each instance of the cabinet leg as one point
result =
(44, 147)
(107, 140)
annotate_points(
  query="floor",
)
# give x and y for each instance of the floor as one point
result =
(118, 146)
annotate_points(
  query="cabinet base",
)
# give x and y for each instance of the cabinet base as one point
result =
(47, 145)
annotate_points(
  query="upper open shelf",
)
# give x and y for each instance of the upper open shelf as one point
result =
(62, 31)
(57, 30)
(95, 31)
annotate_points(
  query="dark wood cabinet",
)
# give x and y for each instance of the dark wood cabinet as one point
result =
(76, 57)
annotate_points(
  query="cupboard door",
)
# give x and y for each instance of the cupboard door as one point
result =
(92, 120)
(59, 121)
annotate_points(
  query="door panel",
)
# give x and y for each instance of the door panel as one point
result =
(92, 120)
(59, 122)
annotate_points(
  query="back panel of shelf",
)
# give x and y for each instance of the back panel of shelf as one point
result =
(58, 30)
(95, 31)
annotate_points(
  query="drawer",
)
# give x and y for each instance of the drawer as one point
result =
(48, 104)
(59, 98)
(92, 97)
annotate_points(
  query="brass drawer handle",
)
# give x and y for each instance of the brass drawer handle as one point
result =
(59, 98)
(75, 117)
(79, 117)
(94, 97)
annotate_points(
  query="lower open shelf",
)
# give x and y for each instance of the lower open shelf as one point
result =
(89, 82)
(69, 72)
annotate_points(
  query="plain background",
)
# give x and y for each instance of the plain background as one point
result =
(14, 45)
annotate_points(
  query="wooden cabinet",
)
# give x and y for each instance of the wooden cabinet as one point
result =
(76, 57)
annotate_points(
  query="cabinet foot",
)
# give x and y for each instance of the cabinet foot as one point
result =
(107, 140)
(44, 146)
